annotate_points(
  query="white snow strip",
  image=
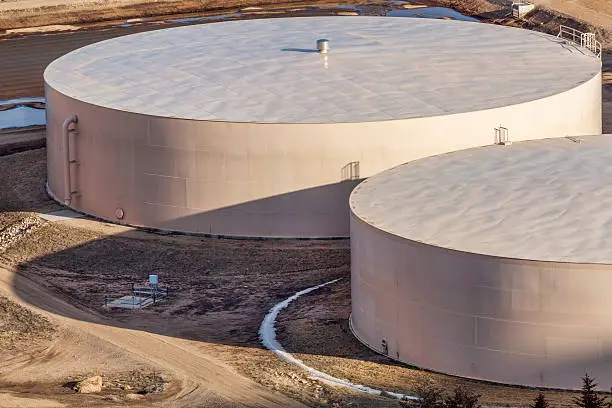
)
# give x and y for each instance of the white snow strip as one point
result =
(22, 101)
(267, 335)
(61, 215)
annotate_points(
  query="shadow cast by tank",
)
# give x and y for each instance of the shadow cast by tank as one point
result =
(221, 288)
(318, 212)
(306, 50)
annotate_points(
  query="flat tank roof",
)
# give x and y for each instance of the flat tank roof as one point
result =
(267, 71)
(548, 200)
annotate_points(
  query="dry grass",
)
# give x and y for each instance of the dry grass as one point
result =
(596, 12)
(22, 188)
(547, 18)
(22, 329)
(98, 11)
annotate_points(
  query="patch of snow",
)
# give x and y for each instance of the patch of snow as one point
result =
(20, 101)
(61, 215)
(21, 116)
(267, 335)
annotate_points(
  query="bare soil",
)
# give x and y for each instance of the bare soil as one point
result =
(31, 13)
(597, 12)
(607, 92)
(22, 186)
(16, 141)
(41, 359)
(20, 328)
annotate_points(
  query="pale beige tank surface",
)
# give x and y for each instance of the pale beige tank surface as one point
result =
(243, 129)
(493, 263)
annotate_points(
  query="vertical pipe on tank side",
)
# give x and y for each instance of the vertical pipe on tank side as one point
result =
(66, 143)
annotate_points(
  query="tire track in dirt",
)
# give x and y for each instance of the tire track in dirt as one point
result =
(204, 380)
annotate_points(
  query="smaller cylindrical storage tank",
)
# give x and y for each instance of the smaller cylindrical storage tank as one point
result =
(492, 263)
(242, 128)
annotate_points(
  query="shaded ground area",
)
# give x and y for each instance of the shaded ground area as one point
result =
(203, 337)
(315, 329)
(23, 185)
(16, 141)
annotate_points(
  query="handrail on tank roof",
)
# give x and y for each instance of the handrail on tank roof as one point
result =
(585, 40)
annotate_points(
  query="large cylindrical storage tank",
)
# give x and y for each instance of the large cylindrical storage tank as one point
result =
(243, 129)
(492, 263)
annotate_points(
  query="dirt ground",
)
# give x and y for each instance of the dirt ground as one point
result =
(22, 140)
(29, 13)
(20, 328)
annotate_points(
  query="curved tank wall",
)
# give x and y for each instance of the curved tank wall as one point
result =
(510, 321)
(267, 180)
(262, 136)
(491, 263)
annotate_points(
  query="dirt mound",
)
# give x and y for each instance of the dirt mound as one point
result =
(10, 234)
(596, 12)
(584, 15)
(20, 327)
(89, 385)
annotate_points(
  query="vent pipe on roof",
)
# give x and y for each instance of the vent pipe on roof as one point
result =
(323, 45)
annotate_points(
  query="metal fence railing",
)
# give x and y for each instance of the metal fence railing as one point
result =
(501, 136)
(141, 297)
(126, 302)
(585, 40)
(350, 171)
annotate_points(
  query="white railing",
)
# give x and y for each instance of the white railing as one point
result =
(585, 40)
(350, 171)
(501, 136)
